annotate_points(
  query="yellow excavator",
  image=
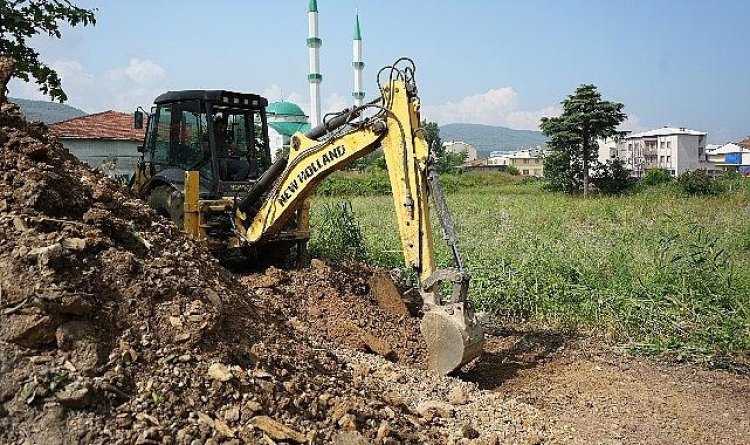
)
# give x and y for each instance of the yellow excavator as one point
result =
(206, 164)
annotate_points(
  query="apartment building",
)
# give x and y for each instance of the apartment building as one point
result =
(674, 149)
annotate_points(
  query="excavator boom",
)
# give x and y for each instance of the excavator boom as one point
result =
(449, 325)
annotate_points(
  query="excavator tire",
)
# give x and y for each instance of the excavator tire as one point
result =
(169, 203)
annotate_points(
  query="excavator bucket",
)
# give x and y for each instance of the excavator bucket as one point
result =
(453, 337)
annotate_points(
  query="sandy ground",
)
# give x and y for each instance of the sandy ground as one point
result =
(600, 396)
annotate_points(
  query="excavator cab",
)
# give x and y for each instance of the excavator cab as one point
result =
(221, 135)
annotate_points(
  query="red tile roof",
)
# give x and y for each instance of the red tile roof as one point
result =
(105, 125)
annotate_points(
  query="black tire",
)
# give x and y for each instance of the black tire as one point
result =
(169, 203)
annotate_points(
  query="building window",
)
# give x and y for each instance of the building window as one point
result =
(669, 145)
(661, 159)
(669, 159)
(662, 145)
(525, 172)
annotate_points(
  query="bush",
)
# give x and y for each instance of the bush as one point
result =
(697, 182)
(339, 236)
(612, 178)
(512, 170)
(656, 176)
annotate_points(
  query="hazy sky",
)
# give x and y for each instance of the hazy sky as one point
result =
(671, 62)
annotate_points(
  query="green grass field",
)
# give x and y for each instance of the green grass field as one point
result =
(654, 270)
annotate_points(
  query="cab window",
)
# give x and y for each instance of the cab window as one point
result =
(188, 125)
(160, 137)
(177, 135)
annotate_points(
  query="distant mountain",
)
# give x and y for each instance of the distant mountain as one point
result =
(487, 138)
(47, 112)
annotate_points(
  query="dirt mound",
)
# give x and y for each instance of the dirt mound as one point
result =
(336, 304)
(115, 327)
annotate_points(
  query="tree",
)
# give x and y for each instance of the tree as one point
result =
(432, 136)
(445, 161)
(585, 118)
(451, 162)
(23, 19)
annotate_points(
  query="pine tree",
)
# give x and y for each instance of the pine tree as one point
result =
(573, 135)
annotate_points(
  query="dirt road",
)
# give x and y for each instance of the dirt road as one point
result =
(604, 397)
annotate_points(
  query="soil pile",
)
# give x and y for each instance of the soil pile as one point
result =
(337, 304)
(116, 328)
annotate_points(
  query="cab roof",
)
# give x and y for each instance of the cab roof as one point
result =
(216, 97)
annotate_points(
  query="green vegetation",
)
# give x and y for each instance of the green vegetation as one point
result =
(339, 234)
(656, 270)
(375, 183)
(612, 178)
(655, 176)
(697, 182)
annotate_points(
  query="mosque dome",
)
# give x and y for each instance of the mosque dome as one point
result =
(286, 118)
(283, 108)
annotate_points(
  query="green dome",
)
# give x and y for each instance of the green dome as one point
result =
(284, 108)
(289, 128)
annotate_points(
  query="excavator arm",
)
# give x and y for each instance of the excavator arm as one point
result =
(449, 325)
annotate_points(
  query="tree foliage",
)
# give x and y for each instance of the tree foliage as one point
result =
(20, 20)
(573, 135)
(432, 136)
(446, 161)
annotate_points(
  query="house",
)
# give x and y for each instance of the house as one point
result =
(674, 149)
(528, 162)
(461, 147)
(480, 165)
(103, 140)
(730, 157)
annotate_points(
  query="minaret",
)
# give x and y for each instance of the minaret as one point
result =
(314, 78)
(358, 65)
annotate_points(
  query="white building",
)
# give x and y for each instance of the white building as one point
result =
(613, 148)
(528, 162)
(284, 119)
(674, 149)
(498, 158)
(461, 147)
(730, 157)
